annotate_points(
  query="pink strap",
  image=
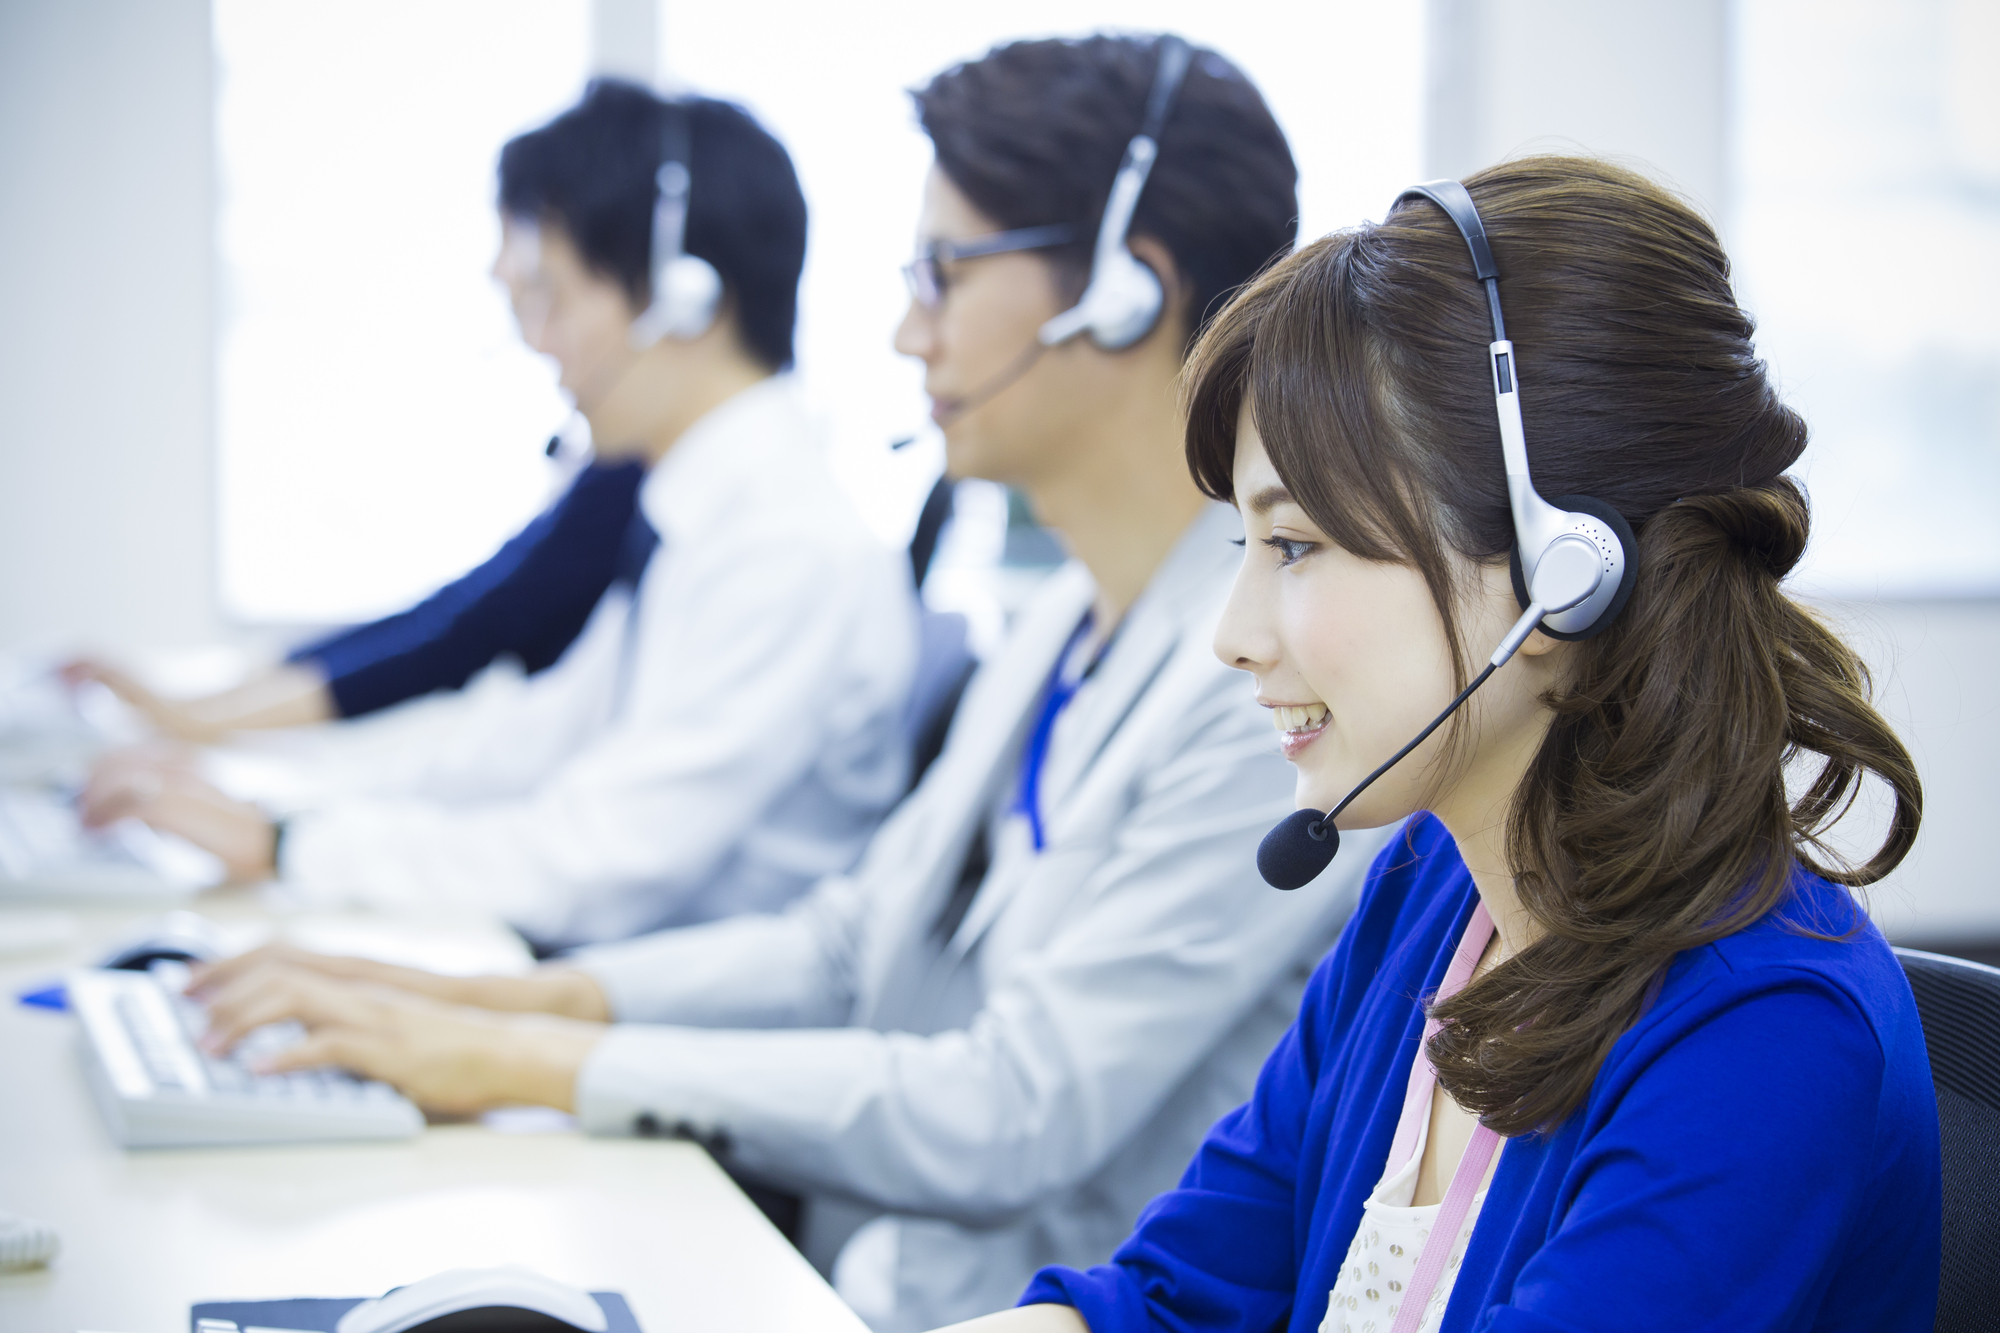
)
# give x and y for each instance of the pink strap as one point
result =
(1457, 1201)
(1478, 934)
(1451, 1216)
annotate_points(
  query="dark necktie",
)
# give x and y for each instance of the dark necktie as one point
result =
(635, 550)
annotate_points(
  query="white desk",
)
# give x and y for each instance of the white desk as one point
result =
(147, 1234)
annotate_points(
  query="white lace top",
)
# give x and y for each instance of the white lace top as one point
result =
(1383, 1257)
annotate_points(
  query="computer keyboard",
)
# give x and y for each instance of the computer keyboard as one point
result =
(44, 849)
(158, 1089)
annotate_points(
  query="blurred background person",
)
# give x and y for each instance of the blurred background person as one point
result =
(1055, 965)
(754, 647)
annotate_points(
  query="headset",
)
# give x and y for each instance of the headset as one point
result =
(1574, 560)
(1123, 300)
(686, 289)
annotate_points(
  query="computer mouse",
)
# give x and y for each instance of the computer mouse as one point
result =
(180, 937)
(479, 1300)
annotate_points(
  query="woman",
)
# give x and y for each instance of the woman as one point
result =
(1705, 1063)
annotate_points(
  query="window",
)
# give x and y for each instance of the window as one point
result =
(1867, 241)
(380, 424)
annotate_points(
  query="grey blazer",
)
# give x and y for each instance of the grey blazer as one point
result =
(961, 1111)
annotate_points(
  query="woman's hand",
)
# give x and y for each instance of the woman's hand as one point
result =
(158, 785)
(553, 990)
(448, 1059)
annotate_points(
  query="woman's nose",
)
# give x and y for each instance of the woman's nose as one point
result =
(1245, 637)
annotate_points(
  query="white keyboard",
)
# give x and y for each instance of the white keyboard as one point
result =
(45, 850)
(158, 1089)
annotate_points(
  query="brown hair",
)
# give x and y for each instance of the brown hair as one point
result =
(1655, 816)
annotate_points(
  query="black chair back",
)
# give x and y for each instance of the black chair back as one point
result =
(1959, 1003)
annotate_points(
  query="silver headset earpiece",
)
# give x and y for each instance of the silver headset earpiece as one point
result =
(686, 290)
(1123, 300)
(1577, 553)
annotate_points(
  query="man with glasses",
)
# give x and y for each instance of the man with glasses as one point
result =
(990, 1045)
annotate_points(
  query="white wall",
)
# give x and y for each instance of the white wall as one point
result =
(1933, 666)
(1647, 83)
(106, 334)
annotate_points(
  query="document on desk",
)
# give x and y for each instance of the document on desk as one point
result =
(318, 1314)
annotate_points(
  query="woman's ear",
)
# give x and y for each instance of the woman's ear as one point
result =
(1539, 645)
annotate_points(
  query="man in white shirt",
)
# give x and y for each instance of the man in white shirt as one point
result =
(990, 1044)
(727, 730)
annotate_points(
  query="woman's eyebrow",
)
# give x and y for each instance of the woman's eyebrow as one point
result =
(1264, 501)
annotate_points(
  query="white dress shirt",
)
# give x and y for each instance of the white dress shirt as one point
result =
(713, 743)
(964, 1098)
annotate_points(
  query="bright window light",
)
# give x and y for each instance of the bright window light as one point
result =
(380, 423)
(1867, 241)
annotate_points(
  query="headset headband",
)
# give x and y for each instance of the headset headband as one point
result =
(685, 289)
(1458, 206)
(1175, 56)
(1123, 300)
(1538, 524)
(675, 181)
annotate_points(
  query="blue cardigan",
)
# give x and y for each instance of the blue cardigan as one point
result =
(1759, 1152)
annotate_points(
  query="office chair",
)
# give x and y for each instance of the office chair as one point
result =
(1959, 1003)
(944, 654)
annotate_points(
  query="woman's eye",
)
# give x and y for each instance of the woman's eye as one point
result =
(1289, 552)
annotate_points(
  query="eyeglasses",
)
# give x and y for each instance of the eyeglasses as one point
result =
(925, 274)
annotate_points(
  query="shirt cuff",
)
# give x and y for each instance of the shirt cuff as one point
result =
(621, 1089)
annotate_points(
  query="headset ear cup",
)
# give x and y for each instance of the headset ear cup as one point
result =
(1127, 304)
(1611, 518)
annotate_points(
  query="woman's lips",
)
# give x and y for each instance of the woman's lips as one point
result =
(1299, 725)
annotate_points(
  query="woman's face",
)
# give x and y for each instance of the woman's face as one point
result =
(569, 313)
(1351, 657)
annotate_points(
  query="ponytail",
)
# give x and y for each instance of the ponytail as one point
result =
(1655, 817)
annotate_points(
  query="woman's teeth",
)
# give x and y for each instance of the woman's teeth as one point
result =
(1306, 717)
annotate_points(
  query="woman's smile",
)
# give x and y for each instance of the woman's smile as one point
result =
(1299, 725)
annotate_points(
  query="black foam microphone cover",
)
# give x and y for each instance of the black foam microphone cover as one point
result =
(1297, 849)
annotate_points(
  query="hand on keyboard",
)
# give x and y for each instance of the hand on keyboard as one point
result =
(158, 1088)
(565, 992)
(157, 784)
(446, 1058)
